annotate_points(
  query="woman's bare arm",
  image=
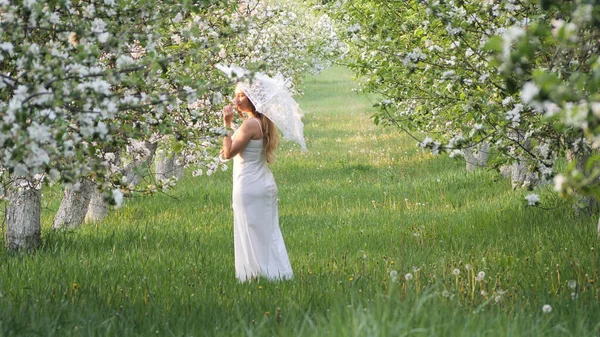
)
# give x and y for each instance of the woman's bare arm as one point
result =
(248, 130)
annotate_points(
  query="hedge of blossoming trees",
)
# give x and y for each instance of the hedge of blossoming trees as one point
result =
(565, 90)
(468, 75)
(78, 82)
(432, 68)
(180, 118)
(88, 88)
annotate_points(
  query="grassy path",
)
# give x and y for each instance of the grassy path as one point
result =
(362, 206)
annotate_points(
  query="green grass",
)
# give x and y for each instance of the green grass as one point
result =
(363, 202)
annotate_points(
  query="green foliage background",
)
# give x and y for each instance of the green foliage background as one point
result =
(363, 202)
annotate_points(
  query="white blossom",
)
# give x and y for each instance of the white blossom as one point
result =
(559, 182)
(550, 108)
(178, 18)
(98, 26)
(532, 199)
(508, 100)
(354, 28)
(217, 98)
(576, 114)
(223, 53)
(426, 142)
(37, 157)
(509, 36)
(103, 37)
(413, 57)
(53, 175)
(89, 11)
(449, 74)
(583, 13)
(453, 30)
(529, 92)
(39, 133)
(29, 3)
(514, 115)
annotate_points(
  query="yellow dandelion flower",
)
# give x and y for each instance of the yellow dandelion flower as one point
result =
(267, 313)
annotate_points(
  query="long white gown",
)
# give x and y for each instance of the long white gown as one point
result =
(258, 243)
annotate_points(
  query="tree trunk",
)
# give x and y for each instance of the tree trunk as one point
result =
(470, 159)
(134, 171)
(520, 177)
(518, 173)
(98, 208)
(23, 213)
(74, 205)
(483, 152)
(476, 156)
(586, 205)
(166, 167)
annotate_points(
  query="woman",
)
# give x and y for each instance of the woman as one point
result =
(258, 243)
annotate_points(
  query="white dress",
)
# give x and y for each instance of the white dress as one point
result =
(258, 243)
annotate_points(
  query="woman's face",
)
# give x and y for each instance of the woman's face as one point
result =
(241, 100)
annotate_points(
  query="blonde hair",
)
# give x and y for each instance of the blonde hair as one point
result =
(270, 137)
(269, 131)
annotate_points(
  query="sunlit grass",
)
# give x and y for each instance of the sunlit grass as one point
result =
(363, 204)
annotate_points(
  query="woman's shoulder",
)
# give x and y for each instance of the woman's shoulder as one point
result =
(252, 125)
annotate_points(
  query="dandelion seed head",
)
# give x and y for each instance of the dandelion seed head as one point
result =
(546, 309)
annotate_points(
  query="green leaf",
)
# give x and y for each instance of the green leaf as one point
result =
(177, 147)
(495, 44)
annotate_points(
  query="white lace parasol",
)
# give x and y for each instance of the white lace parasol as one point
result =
(271, 97)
